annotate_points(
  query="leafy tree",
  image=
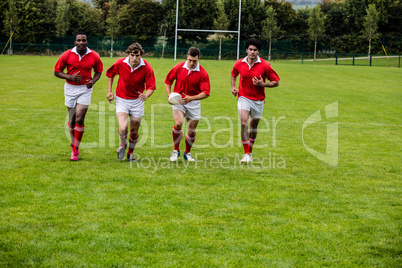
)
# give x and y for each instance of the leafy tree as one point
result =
(193, 14)
(370, 24)
(104, 7)
(221, 23)
(35, 18)
(112, 23)
(316, 26)
(85, 18)
(286, 17)
(252, 14)
(270, 27)
(334, 18)
(11, 20)
(62, 17)
(140, 19)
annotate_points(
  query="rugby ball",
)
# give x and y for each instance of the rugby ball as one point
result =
(174, 98)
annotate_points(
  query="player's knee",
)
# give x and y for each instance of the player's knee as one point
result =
(191, 132)
(178, 125)
(133, 135)
(123, 131)
(79, 120)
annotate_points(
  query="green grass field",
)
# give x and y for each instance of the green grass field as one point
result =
(287, 209)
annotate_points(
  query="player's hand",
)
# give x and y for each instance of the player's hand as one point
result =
(186, 99)
(234, 91)
(75, 77)
(142, 97)
(258, 81)
(89, 83)
(110, 97)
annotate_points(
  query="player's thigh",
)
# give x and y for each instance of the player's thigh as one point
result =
(192, 124)
(254, 122)
(122, 119)
(81, 110)
(135, 123)
(244, 114)
(178, 116)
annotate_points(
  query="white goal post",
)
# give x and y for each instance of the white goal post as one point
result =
(201, 30)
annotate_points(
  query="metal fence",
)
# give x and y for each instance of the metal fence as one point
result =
(212, 52)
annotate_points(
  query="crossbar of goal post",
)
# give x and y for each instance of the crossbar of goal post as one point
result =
(200, 30)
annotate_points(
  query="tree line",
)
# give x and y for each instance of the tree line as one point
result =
(345, 26)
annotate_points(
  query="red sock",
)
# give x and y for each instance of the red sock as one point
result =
(78, 133)
(177, 135)
(131, 144)
(246, 146)
(189, 142)
(251, 144)
(71, 130)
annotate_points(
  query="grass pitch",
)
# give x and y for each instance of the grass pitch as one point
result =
(287, 209)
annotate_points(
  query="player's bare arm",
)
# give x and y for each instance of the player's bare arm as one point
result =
(233, 82)
(168, 89)
(110, 95)
(260, 82)
(146, 95)
(188, 99)
(90, 83)
(73, 77)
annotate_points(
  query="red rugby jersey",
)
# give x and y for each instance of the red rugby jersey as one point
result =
(132, 82)
(190, 83)
(246, 87)
(71, 60)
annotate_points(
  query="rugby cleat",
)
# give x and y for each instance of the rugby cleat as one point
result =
(121, 151)
(189, 157)
(174, 156)
(246, 159)
(74, 155)
(131, 158)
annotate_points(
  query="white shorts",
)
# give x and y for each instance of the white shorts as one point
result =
(191, 110)
(254, 107)
(77, 94)
(135, 107)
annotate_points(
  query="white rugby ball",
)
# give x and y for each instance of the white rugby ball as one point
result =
(174, 98)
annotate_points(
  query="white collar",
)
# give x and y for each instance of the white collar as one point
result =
(80, 57)
(246, 61)
(196, 69)
(127, 61)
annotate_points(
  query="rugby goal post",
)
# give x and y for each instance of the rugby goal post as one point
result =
(201, 30)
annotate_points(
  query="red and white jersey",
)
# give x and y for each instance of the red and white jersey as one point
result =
(260, 68)
(132, 81)
(189, 82)
(74, 63)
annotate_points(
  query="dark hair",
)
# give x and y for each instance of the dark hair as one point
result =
(253, 42)
(194, 52)
(81, 33)
(134, 47)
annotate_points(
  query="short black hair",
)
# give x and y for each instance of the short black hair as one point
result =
(194, 52)
(81, 33)
(253, 42)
